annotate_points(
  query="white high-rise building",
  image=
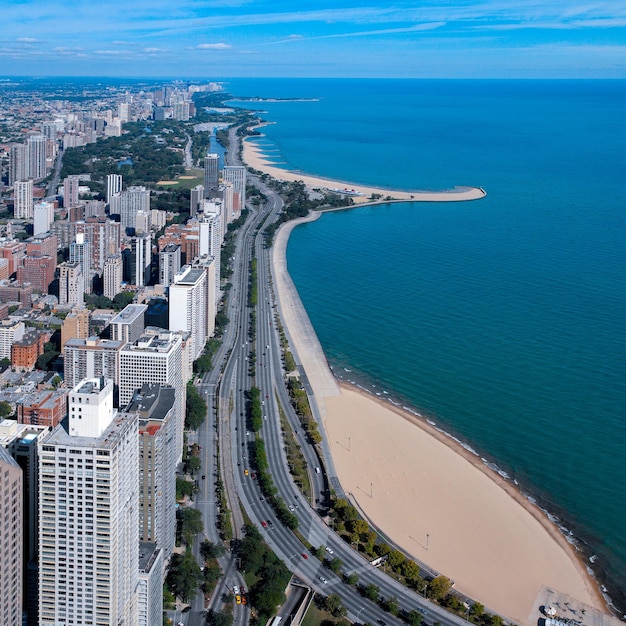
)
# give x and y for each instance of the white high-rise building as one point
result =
(128, 325)
(211, 171)
(43, 216)
(141, 258)
(156, 357)
(188, 301)
(133, 200)
(210, 238)
(150, 591)
(89, 513)
(10, 332)
(112, 276)
(36, 145)
(114, 186)
(169, 263)
(80, 253)
(196, 197)
(208, 263)
(236, 174)
(91, 358)
(23, 205)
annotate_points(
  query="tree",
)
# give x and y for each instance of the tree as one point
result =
(215, 618)
(195, 409)
(371, 592)
(5, 409)
(414, 618)
(184, 575)
(210, 550)
(335, 606)
(352, 579)
(439, 587)
(193, 464)
(477, 610)
(335, 565)
(396, 559)
(392, 605)
(191, 524)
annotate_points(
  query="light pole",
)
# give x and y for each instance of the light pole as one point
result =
(359, 613)
(427, 540)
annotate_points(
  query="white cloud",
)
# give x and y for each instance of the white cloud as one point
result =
(27, 40)
(213, 46)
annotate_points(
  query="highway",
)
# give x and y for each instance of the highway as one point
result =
(230, 378)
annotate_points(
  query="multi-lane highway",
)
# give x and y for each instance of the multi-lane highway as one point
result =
(230, 378)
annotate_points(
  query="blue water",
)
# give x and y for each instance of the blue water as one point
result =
(503, 319)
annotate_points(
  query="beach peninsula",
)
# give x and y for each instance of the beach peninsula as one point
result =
(430, 495)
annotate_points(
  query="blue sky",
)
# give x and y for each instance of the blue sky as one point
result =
(344, 38)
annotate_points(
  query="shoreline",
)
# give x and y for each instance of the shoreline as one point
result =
(504, 499)
(253, 157)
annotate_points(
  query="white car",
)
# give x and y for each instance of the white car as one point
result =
(323, 579)
(236, 589)
(291, 508)
(329, 550)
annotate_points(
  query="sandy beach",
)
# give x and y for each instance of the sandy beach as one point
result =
(429, 494)
(253, 157)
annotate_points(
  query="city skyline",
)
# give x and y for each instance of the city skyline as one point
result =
(239, 38)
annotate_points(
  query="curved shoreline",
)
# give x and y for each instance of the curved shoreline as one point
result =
(253, 156)
(333, 408)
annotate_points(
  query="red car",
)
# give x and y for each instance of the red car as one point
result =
(305, 556)
(264, 523)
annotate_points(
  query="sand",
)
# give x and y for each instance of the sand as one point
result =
(427, 493)
(253, 156)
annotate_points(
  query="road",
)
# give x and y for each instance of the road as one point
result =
(231, 378)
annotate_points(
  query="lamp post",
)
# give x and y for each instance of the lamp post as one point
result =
(359, 613)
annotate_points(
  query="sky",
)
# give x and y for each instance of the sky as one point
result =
(299, 38)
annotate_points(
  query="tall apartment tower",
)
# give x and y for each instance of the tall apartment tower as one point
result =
(80, 253)
(23, 203)
(91, 358)
(169, 264)
(70, 192)
(133, 200)
(197, 196)
(156, 406)
(11, 538)
(208, 263)
(128, 325)
(210, 236)
(71, 284)
(114, 185)
(211, 172)
(141, 259)
(112, 276)
(43, 216)
(36, 145)
(88, 513)
(156, 357)
(188, 300)
(236, 174)
(18, 163)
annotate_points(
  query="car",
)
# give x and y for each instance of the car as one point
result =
(264, 523)
(317, 470)
(243, 599)
(238, 599)
(203, 476)
(323, 579)
(236, 590)
(291, 508)
(305, 555)
(245, 472)
(381, 622)
(329, 550)
(186, 609)
(253, 475)
(270, 523)
(422, 611)
(180, 624)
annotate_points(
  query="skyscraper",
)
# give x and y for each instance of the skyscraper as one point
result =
(169, 264)
(18, 163)
(133, 200)
(128, 325)
(70, 192)
(91, 358)
(141, 259)
(188, 301)
(88, 512)
(236, 174)
(11, 541)
(43, 216)
(23, 206)
(80, 253)
(71, 284)
(114, 185)
(197, 195)
(210, 235)
(156, 357)
(211, 172)
(112, 276)
(36, 145)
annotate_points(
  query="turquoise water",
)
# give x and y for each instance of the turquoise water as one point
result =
(502, 319)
